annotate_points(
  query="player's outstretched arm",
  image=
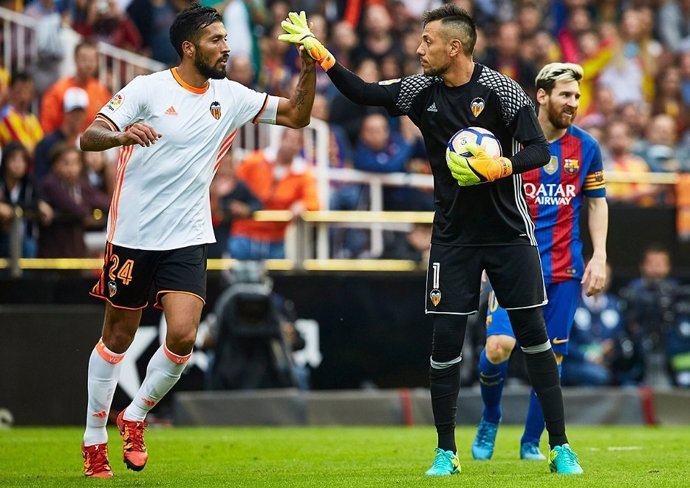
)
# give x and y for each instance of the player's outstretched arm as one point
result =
(99, 136)
(295, 112)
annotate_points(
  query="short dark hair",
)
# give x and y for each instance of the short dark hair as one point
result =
(85, 44)
(20, 77)
(459, 19)
(190, 22)
(8, 151)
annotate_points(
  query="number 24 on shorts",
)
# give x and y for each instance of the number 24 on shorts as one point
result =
(124, 274)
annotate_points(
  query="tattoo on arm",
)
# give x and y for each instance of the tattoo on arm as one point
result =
(98, 138)
(303, 97)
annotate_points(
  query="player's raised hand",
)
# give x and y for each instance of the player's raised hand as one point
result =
(298, 32)
(139, 133)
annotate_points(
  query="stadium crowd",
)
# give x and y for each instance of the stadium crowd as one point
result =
(635, 101)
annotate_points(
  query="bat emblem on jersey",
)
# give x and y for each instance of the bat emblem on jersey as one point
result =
(571, 166)
(435, 296)
(552, 166)
(215, 110)
(477, 106)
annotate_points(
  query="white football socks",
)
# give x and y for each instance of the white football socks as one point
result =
(162, 372)
(104, 370)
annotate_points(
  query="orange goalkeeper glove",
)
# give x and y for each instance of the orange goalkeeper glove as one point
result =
(479, 168)
(298, 33)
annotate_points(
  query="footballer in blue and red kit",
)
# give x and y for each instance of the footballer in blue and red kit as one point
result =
(555, 194)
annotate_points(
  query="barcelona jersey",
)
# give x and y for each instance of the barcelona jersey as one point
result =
(555, 194)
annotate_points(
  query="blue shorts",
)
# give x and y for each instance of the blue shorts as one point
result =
(559, 313)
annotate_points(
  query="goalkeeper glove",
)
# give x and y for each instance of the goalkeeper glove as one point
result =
(298, 33)
(479, 168)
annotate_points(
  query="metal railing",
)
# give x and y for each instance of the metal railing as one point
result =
(20, 53)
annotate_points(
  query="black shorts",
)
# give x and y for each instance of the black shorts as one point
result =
(128, 274)
(454, 277)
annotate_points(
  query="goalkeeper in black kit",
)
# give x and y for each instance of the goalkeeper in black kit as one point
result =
(481, 217)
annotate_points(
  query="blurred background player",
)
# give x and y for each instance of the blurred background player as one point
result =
(555, 194)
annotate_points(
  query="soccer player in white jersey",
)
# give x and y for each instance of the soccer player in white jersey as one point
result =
(174, 127)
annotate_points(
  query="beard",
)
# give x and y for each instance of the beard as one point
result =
(437, 71)
(559, 118)
(206, 69)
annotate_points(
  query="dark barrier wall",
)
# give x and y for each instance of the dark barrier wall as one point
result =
(44, 352)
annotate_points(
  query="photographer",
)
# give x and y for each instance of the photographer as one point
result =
(601, 352)
(656, 313)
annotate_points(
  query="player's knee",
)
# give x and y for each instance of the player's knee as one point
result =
(499, 348)
(528, 325)
(181, 341)
(117, 340)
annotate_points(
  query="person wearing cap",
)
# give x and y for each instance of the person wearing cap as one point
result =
(74, 105)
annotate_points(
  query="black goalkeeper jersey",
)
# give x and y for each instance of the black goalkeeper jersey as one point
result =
(491, 213)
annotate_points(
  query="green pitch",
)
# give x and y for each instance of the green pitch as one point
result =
(612, 457)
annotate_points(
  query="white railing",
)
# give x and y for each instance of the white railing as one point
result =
(19, 52)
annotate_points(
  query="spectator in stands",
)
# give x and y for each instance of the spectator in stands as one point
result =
(376, 39)
(100, 171)
(231, 199)
(343, 41)
(17, 123)
(668, 98)
(651, 314)
(659, 146)
(18, 192)
(578, 21)
(684, 63)
(595, 52)
(413, 245)
(86, 61)
(77, 205)
(600, 352)
(274, 76)
(349, 115)
(382, 150)
(241, 70)
(106, 22)
(618, 157)
(505, 57)
(546, 49)
(74, 104)
(244, 17)
(282, 180)
(153, 19)
(673, 23)
(631, 73)
(50, 16)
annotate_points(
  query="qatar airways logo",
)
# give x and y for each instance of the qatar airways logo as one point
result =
(550, 193)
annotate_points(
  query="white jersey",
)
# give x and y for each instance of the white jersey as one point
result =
(161, 199)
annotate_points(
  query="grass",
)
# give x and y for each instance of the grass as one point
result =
(343, 457)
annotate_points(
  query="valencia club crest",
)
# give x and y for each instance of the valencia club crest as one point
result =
(215, 110)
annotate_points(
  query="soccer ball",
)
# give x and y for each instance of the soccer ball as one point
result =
(480, 136)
